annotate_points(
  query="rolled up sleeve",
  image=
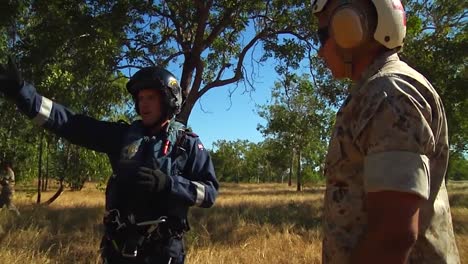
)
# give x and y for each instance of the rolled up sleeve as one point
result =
(399, 171)
(396, 138)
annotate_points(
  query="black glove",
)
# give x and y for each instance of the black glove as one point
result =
(151, 180)
(10, 78)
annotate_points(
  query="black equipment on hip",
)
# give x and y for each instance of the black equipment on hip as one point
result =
(129, 238)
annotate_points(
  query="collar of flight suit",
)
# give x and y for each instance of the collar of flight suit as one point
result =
(373, 68)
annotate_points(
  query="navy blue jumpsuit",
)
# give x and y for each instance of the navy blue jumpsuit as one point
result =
(177, 153)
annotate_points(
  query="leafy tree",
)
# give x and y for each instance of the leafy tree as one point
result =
(300, 120)
(458, 168)
(69, 50)
(244, 161)
(228, 160)
(212, 39)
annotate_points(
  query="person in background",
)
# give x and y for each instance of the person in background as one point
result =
(7, 182)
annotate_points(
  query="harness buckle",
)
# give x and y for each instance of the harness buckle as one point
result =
(133, 234)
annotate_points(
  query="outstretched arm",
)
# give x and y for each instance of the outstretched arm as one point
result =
(79, 129)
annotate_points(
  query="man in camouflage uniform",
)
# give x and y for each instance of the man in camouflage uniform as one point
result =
(7, 182)
(386, 200)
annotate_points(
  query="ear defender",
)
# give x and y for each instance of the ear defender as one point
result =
(348, 25)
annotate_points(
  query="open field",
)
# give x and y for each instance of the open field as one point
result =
(251, 223)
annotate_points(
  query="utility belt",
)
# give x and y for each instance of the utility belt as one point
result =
(132, 239)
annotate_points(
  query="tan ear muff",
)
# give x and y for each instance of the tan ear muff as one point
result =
(347, 27)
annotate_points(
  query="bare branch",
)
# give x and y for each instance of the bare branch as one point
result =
(203, 12)
(171, 57)
(178, 27)
(238, 71)
(225, 20)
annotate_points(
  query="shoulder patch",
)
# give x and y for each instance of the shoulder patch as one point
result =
(200, 146)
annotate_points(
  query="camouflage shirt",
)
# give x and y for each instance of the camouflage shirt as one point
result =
(390, 134)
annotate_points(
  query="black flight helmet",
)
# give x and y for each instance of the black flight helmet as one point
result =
(157, 78)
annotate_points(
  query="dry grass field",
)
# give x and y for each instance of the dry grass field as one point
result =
(251, 223)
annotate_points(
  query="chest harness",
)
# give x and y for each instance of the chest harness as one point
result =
(131, 228)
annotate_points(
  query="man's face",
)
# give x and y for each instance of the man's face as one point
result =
(329, 50)
(149, 106)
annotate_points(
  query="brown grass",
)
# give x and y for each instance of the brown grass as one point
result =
(251, 223)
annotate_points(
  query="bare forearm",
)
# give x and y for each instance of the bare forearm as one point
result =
(376, 248)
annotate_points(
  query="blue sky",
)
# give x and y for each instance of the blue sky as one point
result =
(215, 116)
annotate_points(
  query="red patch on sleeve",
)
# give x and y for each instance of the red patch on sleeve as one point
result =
(397, 5)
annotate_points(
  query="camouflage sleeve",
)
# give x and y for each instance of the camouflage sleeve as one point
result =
(395, 135)
(10, 175)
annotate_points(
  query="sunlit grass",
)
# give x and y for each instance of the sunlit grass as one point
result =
(251, 223)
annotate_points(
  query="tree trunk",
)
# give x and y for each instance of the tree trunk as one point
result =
(291, 165)
(57, 194)
(269, 173)
(299, 173)
(62, 178)
(46, 183)
(39, 170)
(190, 101)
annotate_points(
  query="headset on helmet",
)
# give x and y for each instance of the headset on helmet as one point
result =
(157, 78)
(350, 27)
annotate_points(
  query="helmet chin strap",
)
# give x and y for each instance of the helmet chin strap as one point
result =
(348, 61)
(158, 124)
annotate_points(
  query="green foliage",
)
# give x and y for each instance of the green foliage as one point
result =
(229, 160)
(436, 46)
(243, 161)
(300, 119)
(211, 40)
(298, 125)
(70, 51)
(458, 168)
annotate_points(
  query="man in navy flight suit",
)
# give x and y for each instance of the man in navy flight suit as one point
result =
(160, 169)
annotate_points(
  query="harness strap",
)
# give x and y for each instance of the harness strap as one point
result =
(129, 238)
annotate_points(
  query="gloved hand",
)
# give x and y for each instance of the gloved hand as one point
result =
(10, 79)
(151, 180)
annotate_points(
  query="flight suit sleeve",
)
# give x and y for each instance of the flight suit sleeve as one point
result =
(78, 129)
(395, 135)
(197, 185)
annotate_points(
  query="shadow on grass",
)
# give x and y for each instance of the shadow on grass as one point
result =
(460, 225)
(459, 200)
(460, 220)
(60, 233)
(71, 235)
(222, 223)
